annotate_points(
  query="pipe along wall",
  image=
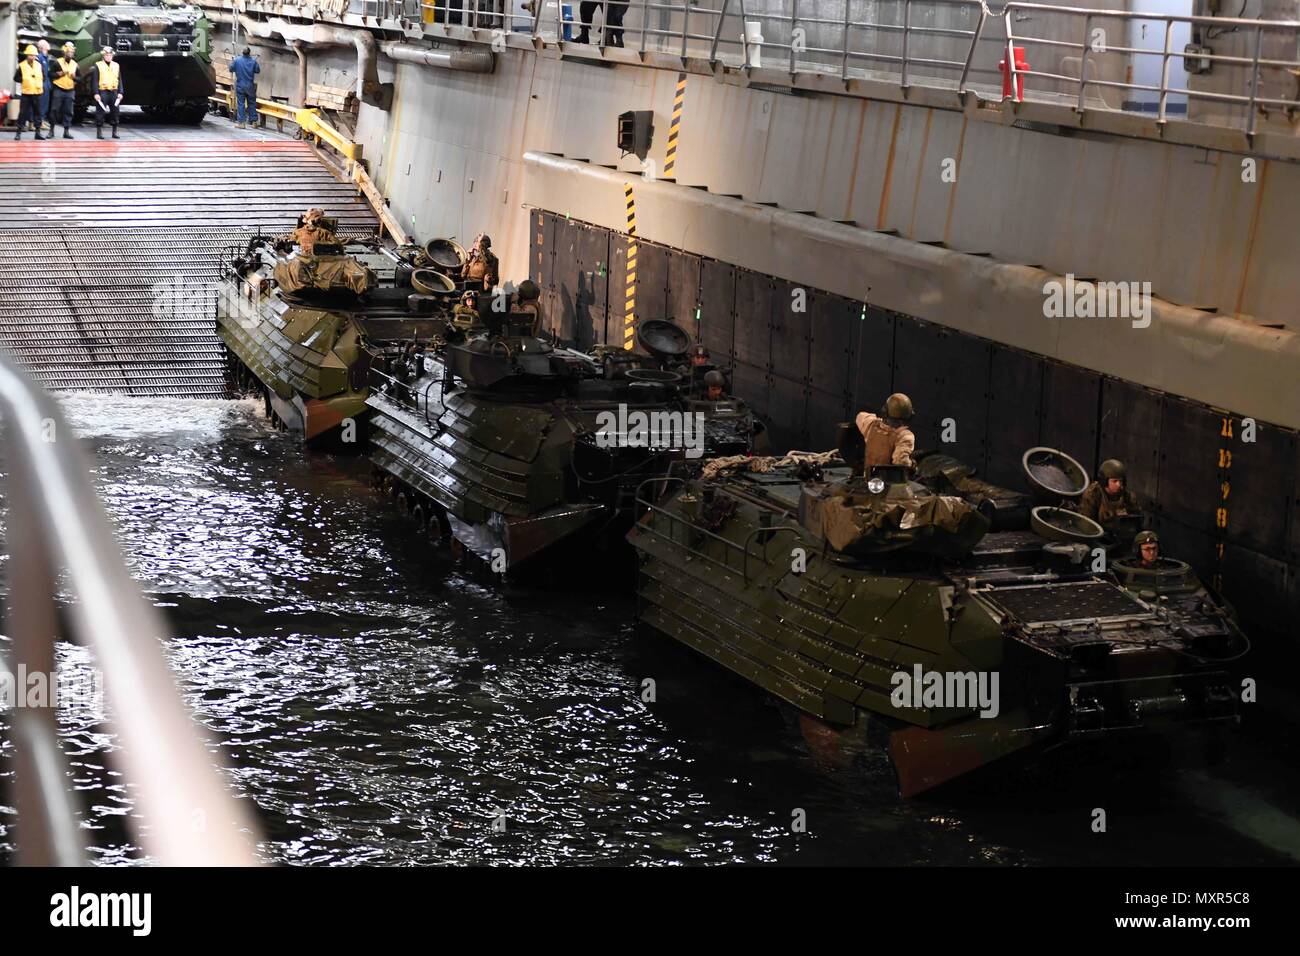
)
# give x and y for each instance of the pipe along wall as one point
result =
(1228, 506)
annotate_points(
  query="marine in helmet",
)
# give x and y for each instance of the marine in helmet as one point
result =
(480, 270)
(526, 311)
(715, 384)
(888, 439)
(312, 232)
(465, 315)
(1146, 548)
(1108, 499)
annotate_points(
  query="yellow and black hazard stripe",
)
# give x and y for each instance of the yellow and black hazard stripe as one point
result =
(674, 128)
(629, 307)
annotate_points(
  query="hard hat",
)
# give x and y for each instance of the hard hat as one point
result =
(30, 51)
(1145, 537)
(528, 291)
(1113, 468)
(898, 406)
(106, 50)
(715, 379)
(69, 45)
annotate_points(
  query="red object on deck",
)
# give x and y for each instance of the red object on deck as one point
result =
(1021, 67)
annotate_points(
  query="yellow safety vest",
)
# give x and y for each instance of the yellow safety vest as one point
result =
(33, 78)
(108, 74)
(69, 78)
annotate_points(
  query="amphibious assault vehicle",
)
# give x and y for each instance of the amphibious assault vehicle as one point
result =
(304, 330)
(929, 615)
(515, 446)
(164, 48)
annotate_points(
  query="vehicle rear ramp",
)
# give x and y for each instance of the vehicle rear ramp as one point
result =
(110, 250)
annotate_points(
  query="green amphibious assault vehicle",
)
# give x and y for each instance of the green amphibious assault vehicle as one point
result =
(928, 615)
(519, 447)
(164, 48)
(303, 329)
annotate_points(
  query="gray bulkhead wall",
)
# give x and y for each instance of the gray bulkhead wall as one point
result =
(449, 155)
(1230, 508)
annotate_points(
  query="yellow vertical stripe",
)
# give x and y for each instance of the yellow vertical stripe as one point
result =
(629, 284)
(674, 128)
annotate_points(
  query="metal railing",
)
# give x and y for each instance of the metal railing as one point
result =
(956, 45)
(691, 527)
(1092, 41)
(55, 521)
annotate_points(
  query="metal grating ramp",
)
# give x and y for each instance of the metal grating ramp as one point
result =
(109, 252)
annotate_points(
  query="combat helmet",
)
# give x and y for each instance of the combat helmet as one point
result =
(714, 379)
(1145, 537)
(528, 291)
(898, 408)
(1113, 468)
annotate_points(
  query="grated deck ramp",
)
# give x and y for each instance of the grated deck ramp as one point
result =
(109, 251)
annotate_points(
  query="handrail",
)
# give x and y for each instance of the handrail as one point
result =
(729, 545)
(912, 43)
(1166, 54)
(56, 521)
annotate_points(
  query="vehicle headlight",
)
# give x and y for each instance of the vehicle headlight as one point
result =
(876, 485)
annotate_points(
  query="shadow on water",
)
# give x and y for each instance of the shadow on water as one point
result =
(377, 705)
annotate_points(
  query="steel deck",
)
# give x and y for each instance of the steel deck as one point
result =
(109, 250)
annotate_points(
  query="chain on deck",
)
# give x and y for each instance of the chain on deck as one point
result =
(109, 252)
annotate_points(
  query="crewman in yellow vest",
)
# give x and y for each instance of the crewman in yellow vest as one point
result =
(106, 85)
(63, 77)
(30, 76)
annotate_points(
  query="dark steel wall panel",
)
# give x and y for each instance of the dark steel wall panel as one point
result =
(594, 268)
(1189, 464)
(791, 332)
(1257, 585)
(1071, 397)
(616, 283)
(1014, 413)
(873, 375)
(753, 337)
(918, 372)
(751, 384)
(1293, 521)
(1260, 477)
(786, 413)
(597, 329)
(651, 282)
(683, 296)
(1130, 431)
(541, 247)
(1195, 546)
(567, 265)
(946, 374)
(833, 324)
(825, 411)
(717, 309)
